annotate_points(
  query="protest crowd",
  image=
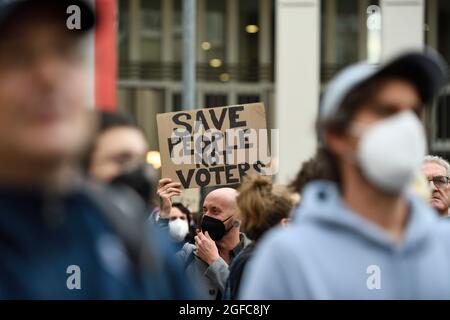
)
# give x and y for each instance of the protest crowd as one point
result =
(365, 218)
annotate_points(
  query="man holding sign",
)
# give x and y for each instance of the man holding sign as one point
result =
(216, 146)
(210, 147)
(216, 244)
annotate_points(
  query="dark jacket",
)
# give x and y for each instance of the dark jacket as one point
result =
(236, 270)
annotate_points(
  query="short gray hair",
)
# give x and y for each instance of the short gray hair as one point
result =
(440, 161)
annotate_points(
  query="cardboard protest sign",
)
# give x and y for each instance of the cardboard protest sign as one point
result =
(216, 146)
(190, 198)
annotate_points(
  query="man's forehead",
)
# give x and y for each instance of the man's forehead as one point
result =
(389, 88)
(433, 168)
(222, 197)
(213, 200)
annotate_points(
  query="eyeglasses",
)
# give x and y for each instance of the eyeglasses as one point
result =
(440, 181)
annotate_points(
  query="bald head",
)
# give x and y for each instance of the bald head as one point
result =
(221, 203)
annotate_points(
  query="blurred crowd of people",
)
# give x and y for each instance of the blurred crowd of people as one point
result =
(365, 218)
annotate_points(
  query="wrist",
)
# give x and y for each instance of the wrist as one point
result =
(213, 259)
(164, 215)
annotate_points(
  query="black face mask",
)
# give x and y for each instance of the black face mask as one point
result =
(215, 227)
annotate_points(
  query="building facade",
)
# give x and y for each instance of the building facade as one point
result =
(239, 43)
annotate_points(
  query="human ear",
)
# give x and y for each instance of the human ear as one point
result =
(284, 222)
(339, 144)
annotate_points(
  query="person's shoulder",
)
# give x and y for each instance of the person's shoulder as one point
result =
(443, 229)
(244, 255)
(186, 250)
(440, 226)
(248, 250)
(188, 247)
(282, 240)
(301, 228)
(244, 240)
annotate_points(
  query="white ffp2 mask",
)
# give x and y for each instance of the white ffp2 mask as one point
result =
(178, 229)
(391, 151)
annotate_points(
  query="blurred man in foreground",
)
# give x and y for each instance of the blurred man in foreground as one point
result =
(437, 171)
(364, 237)
(61, 238)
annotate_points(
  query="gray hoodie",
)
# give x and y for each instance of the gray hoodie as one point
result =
(330, 252)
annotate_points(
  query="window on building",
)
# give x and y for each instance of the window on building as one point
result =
(126, 100)
(177, 30)
(248, 98)
(443, 24)
(346, 32)
(214, 42)
(124, 30)
(248, 32)
(216, 100)
(151, 30)
(442, 118)
(177, 102)
(437, 33)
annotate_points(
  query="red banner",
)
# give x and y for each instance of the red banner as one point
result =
(105, 56)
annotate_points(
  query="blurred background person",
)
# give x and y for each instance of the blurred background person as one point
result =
(119, 145)
(117, 156)
(351, 240)
(179, 225)
(316, 168)
(261, 207)
(437, 172)
(52, 223)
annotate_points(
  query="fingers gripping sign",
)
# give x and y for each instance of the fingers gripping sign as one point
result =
(206, 248)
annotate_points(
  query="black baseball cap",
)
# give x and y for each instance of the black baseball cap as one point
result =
(9, 8)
